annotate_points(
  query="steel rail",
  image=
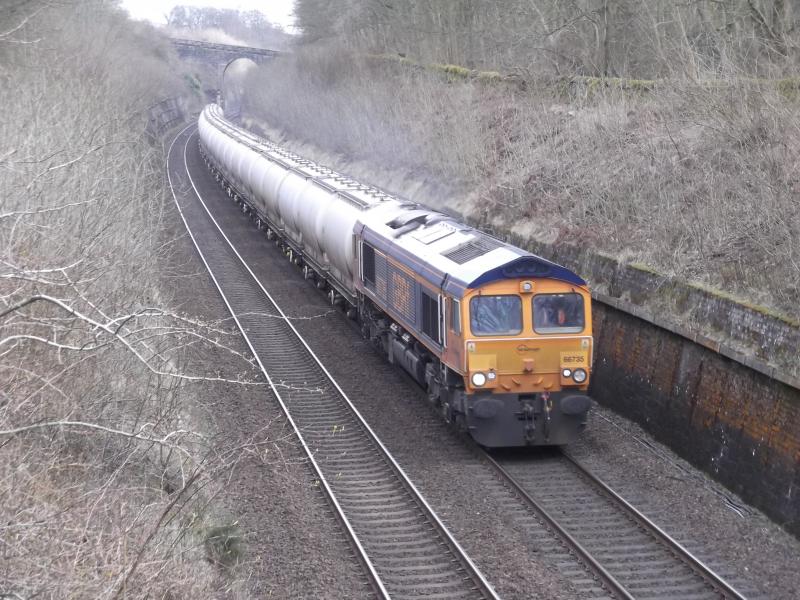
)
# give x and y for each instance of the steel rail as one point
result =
(713, 578)
(718, 586)
(482, 585)
(609, 581)
(373, 576)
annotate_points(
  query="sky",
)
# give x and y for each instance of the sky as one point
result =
(278, 12)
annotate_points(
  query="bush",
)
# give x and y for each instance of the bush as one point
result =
(98, 457)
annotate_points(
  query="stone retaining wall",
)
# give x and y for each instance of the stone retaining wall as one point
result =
(164, 115)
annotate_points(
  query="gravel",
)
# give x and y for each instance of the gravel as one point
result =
(758, 557)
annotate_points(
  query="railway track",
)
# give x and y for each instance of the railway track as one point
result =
(405, 549)
(629, 554)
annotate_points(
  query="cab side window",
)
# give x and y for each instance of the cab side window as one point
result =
(430, 317)
(368, 265)
(455, 316)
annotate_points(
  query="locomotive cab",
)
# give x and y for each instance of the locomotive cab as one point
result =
(527, 358)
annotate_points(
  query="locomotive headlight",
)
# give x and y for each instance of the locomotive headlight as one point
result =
(478, 379)
(566, 373)
(579, 375)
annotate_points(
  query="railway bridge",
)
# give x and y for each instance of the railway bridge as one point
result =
(219, 56)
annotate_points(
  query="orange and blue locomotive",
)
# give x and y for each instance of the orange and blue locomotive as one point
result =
(500, 339)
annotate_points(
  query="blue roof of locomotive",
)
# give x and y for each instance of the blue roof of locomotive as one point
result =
(528, 265)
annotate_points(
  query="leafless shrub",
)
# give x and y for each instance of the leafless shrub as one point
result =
(392, 118)
(107, 479)
(626, 38)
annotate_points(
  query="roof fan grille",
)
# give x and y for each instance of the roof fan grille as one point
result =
(473, 249)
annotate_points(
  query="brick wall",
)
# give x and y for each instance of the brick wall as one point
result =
(737, 424)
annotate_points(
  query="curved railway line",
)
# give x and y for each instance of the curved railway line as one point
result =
(598, 540)
(405, 550)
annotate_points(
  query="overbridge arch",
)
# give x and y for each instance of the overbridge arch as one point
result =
(231, 82)
(220, 56)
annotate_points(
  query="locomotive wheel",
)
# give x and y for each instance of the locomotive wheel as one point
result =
(433, 395)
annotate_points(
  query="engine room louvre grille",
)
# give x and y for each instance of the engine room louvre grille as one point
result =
(381, 276)
(473, 249)
(402, 294)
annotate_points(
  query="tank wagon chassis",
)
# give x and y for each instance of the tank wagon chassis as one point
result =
(498, 405)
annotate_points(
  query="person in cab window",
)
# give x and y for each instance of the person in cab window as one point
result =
(552, 311)
(558, 313)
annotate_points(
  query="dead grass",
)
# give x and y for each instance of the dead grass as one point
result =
(695, 180)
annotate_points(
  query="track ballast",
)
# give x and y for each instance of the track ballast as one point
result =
(631, 555)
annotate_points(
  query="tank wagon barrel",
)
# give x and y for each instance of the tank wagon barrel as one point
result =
(500, 339)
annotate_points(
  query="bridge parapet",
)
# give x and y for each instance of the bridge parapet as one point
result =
(220, 53)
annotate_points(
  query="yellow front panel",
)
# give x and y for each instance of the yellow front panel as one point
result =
(509, 355)
(529, 361)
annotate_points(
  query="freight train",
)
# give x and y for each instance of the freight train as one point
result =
(501, 339)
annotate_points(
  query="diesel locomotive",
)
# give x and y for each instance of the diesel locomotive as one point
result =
(501, 339)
